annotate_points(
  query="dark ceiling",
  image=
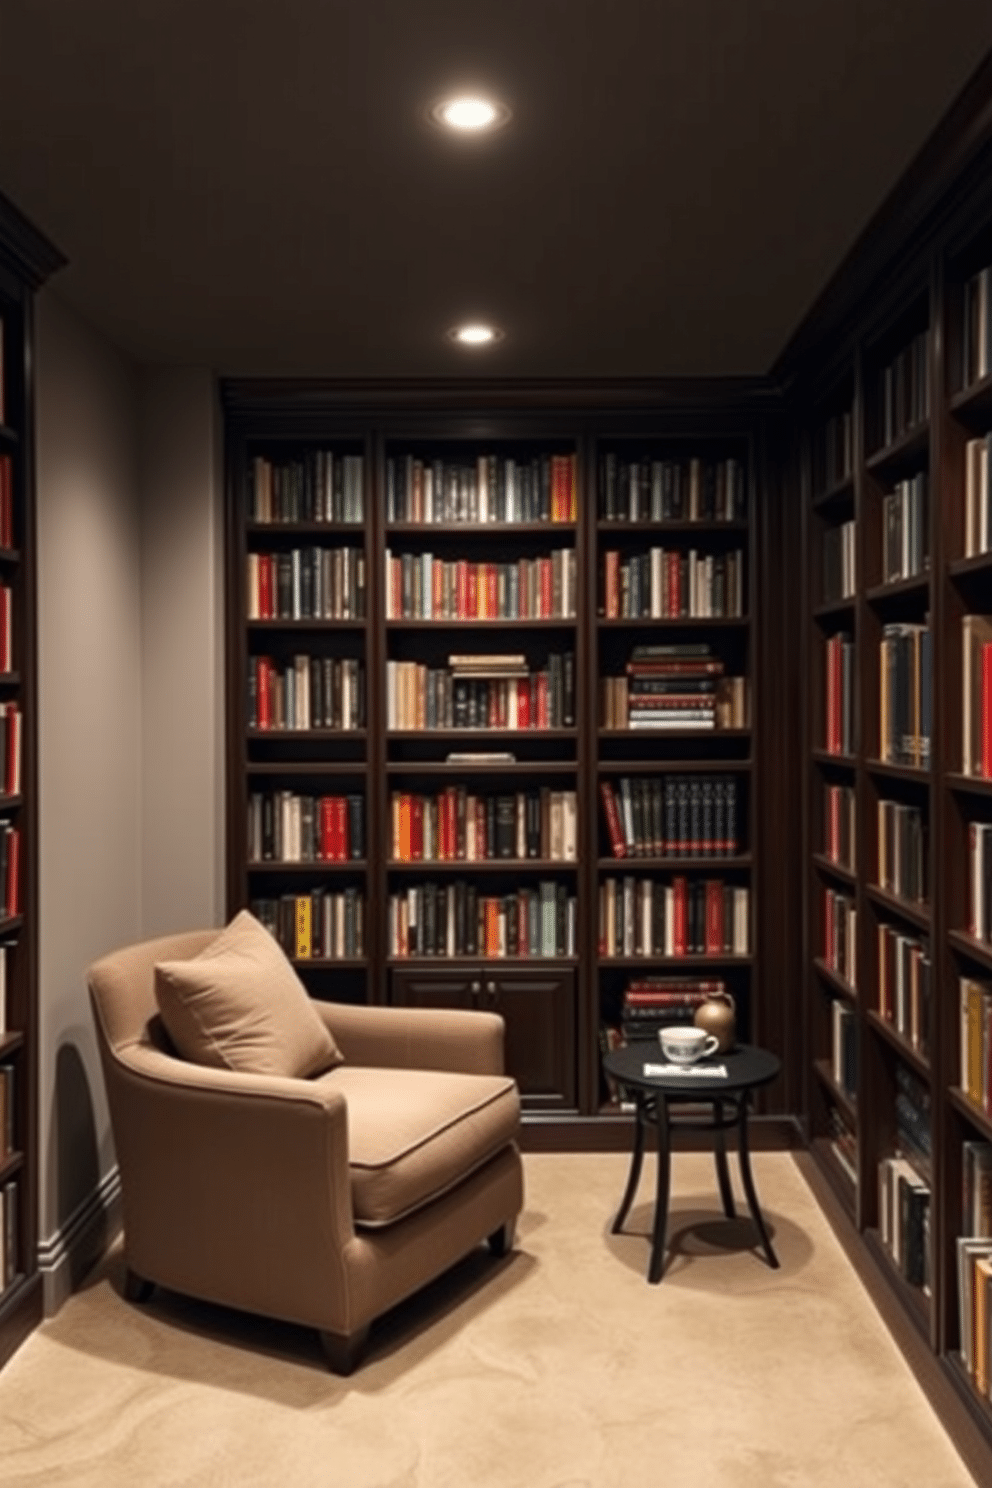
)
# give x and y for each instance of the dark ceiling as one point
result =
(254, 186)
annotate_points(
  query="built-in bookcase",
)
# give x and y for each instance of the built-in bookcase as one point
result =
(914, 792)
(26, 259)
(507, 579)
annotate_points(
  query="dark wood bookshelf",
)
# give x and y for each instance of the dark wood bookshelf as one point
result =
(837, 1092)
(834, 980)
(906, 909)
(26, 261)
(834, 869)
(904, 451)
(679, 864)
(977, 950)
(896, 589)
(977, 785)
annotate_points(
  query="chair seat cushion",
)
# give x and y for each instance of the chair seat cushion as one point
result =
(414, 1134)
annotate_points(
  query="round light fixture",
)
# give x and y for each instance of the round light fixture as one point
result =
(470, 114)
(475, 334)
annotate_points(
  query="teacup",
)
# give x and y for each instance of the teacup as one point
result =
(686, 1045)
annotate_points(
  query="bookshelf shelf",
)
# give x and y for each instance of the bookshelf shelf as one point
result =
(973, 403)
(9, 1042)
(834, 980)
(835, 870)
(686, 765)
(914, 1301)
(682, 529)
(834, 611)
(314, 867)
(904, 1048)
(905, 451)
(970, 785)
(917, 914)
(468, 866)
(979, 1119)
(917, 586)
(9, 435)
(550, 623)
(835, 761)
(884, 769)
(978, 950)
(492, 963)
(676, 622)
(837, 1092)
(426, 530)
(839, 494)
(305, 626)
(318, 769)
(11, 1166)
(676, 864)
(980, 566)
(647, 961)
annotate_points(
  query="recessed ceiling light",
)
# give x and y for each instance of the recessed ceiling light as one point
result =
(470, 114)
(475, 334)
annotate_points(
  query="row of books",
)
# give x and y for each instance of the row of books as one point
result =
(318, 925)
(905, 663)
(320, 486)
(284, 827)
(675, 816)
(8, 1235)
(650, 1003)
(307, 584)
(905, 529)
(6, 502)
(978, 326)
(421, 586)
(840, 923)
(492, 488)
(839, 570)
(456, 825)
(714, 703)
(902, 850)
(10, 869)
(975, 1002)
(906, 389)
(839, 694)
(913, 1113)
(904, 984)
(904, 1219)
(11, 720)
(686, 917)
(455, 919)
(7, 1132)
(837, 449)
(977, 497)
(306, 692)
(980, 880)
(976, 695)
(671, 490)
(844, 1047)
(666, 584)
(839, 825)
(420, 697)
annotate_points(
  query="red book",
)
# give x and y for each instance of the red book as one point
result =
(546, 587)
(987, 710)
(833, 843)
(262, 702)
(523, 702)
(714, 917)
(492, 592)
(543, 712)
(828, 927)
(611, 584)
(342, 835)
(481, 843)
(326, 828)
(492, 926)
(523, 946)
(466, 590)
(680, 897)
(417, 828)
(618, 843)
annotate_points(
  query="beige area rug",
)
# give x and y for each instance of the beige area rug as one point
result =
(556, 1368)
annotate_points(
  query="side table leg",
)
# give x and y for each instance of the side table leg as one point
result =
(636, 1159)
(745, 1164)
(657, 1263)
(720, 1154)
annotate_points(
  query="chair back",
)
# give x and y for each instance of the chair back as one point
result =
(122, 986)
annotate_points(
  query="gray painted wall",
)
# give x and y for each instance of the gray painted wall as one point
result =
(130, 711)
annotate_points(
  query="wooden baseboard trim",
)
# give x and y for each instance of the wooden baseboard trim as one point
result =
(20, 1314)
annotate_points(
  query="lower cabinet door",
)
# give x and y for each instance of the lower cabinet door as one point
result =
(538, 1008)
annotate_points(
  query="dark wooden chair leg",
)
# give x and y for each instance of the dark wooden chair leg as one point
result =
(136, 1288)
(343, 1351)
(500, 1242)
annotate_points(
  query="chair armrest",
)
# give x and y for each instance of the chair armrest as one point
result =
(460, 1042)
(235, 1187)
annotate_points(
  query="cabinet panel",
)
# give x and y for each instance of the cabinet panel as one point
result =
(539, 1010)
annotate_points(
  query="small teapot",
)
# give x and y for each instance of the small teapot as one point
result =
(717, 1015)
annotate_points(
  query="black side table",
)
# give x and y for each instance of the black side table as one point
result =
(746, 1069)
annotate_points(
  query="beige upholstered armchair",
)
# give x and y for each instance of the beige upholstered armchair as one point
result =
(323, 1199)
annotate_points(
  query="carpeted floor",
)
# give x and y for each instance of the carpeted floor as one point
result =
(556, 1368)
